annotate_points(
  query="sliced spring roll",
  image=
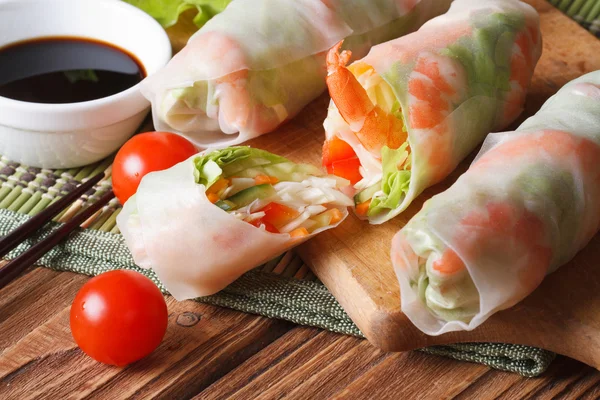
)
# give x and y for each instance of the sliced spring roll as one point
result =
(258, 63)
(204, 222)
(403, 117)
(528, 203)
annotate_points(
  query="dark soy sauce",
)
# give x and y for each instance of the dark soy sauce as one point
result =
(66, 70)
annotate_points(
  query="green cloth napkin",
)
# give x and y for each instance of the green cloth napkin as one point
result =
(260, 291)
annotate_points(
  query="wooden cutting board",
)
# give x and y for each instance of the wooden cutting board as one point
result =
(563, 315)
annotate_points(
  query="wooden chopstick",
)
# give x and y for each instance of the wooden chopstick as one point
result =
(25, 260)
(13, 239)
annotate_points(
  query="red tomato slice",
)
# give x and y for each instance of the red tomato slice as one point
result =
(348, 169)
(268, 226)
(118, 317)
(335, 150)
(279, 215)
(144, 153)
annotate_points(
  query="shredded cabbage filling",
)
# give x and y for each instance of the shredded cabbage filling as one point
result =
(271, 192)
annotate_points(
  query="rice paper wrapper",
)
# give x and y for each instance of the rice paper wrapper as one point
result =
(195, 248)
(460, 76)
(259, 62)
(526, 206)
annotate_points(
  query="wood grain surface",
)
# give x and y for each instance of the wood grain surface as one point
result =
(214, 353)
(354, 263)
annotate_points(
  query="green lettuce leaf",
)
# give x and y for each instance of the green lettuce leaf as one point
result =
(167, 12)
(395, 180)
(488, 69)
(196, 96)
(248, 162)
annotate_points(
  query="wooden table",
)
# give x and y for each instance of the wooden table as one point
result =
(215, 353)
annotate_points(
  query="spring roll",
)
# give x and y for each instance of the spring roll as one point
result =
(204, 222)
(526, 206)
(403, 117)
(259, 62)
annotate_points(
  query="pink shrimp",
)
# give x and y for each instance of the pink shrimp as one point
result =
(374, 127)
(428, 87)
(239, 110)
(557, 144)
(560, 146)
(403, 254)
(434, 84)
(521, 233)
(450, 263)
(408, 47)
(236, 107)
(521, 70)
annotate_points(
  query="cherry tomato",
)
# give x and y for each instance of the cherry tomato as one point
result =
(144, 153)
(118, 317)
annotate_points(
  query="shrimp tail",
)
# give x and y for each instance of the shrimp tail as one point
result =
(373, 126)
(350, 98)
(337, 59)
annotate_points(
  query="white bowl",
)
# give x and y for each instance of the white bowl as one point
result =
(75, 134)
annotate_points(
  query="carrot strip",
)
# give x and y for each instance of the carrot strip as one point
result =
(218, 186)
(263, 179)
(336, 216)
(212, 197)
(363, 208)
(299, 232)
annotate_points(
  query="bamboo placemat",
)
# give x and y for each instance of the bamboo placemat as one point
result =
(585, 12)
